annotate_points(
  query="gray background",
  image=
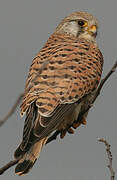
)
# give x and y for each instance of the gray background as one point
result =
(25, 25)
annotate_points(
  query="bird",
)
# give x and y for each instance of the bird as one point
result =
(61, 80)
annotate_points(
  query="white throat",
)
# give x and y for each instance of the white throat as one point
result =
(88, 37)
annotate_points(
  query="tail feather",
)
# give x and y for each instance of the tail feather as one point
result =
(24, 167)
(29, 158)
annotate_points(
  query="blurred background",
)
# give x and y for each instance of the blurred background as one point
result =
(25, 26)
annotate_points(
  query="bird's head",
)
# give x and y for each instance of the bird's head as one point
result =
(79, 24)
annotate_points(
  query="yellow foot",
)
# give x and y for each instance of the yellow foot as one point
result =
(77, 124)
(84, 122)
(70, 131)
(63, 133)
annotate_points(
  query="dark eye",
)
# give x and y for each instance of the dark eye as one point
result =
(82, 23)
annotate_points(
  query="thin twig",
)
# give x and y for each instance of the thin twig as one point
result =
(8, 165)
(113, 69)
(9, 114)
(110, 158)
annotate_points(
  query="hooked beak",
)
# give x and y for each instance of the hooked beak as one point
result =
(92, 30)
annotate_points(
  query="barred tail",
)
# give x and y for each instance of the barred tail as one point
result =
(29, 158)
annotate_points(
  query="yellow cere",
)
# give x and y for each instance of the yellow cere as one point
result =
(85, 24)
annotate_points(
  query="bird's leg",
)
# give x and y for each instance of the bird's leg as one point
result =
(63, 132)
(76, 124)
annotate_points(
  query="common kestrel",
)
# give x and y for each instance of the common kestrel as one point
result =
(61, 80)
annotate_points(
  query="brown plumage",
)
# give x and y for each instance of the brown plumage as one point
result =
(65, 70)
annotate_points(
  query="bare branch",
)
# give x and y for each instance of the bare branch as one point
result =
(110, 158)
(8, 165)
(15, 161)
(9, 114)
(113, 69)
